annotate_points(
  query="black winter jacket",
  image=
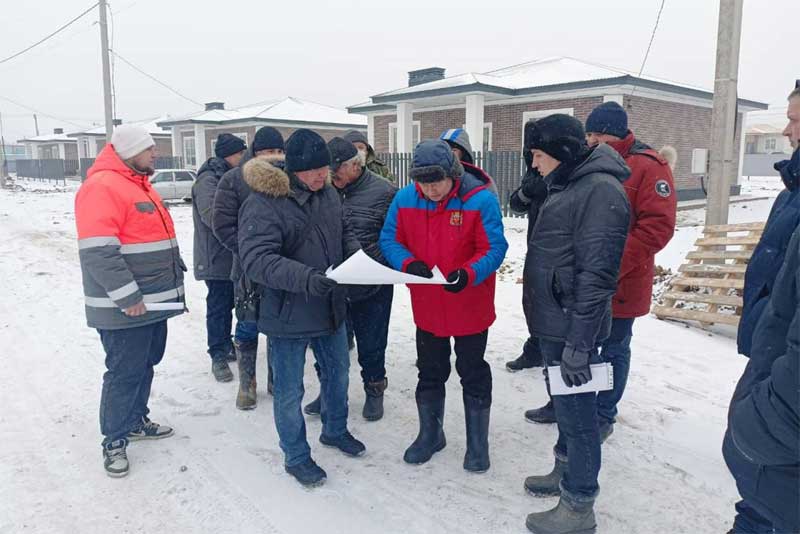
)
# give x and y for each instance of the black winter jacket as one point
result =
(366, 202)
(575, 249)
(286, 233)
(212, 261)
(764, 415)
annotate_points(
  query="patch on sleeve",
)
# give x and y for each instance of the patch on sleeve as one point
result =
(663, 188)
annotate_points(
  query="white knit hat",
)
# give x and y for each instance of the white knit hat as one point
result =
(130, 140)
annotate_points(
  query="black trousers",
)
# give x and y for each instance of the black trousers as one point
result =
(433, 362)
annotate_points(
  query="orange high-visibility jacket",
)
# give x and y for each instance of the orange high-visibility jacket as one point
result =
(127, 245)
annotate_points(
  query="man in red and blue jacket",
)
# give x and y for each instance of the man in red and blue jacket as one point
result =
(449, 219)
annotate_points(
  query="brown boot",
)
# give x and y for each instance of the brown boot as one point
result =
(246, 359)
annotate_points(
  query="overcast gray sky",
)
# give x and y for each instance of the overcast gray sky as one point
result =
(339, 53)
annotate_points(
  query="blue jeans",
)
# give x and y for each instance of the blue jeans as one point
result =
(246, 331)
(370, 322)
(219, 318)
(617, 351)
(288, 365)
(131, 354)
(578, 432)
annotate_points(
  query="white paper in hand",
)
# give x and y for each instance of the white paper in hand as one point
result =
(163, 306)
(602, 380)
(360, 269)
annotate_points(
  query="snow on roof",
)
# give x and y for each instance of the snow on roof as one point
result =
(149, 124)
(288, 109)
(48, 138)
(537, 73)
(764, 129)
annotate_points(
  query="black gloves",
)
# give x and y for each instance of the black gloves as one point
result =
(320, 285)
(575, 366)
(461, 279)
(533, 186)
(418, 268)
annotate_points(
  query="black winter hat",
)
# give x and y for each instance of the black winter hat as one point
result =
(267, 138)
(341, 151)
(306, 150)
(608, 118)
(354, 136)
(228, 145)
(560, 136)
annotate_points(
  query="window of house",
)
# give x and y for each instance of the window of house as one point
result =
(415, 134)
(538, 114)
(770, 144)
(487, 137)
(189, 155)
(85, 147)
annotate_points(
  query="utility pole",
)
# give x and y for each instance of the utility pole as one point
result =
(722, 166)
(36, 124)
(106, 71)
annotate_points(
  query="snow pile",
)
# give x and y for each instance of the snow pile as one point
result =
(223, 471)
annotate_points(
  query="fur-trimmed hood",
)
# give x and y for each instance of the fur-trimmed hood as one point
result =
(264, 177)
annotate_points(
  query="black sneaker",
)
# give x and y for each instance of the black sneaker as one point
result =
(520, 364)
(345, 443)
(115, 458)
(149, 430)
(221, 371)
(546, 415)
(309, 474)
(313, 407)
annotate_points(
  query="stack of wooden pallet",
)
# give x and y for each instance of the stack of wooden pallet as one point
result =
(708, 287)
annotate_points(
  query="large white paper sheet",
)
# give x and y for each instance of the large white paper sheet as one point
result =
(602, 380)
(360, 269)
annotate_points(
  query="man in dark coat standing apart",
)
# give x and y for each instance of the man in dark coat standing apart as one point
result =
(291, 229)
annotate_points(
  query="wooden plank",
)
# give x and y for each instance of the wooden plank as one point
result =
(741, 227)
(719, 255)
(726, 241)
(736, 283)
(721, 300)
(694, 315)
(720, 268)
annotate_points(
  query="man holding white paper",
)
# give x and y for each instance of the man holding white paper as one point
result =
(574, 253)
(448, 219)
(130, 262)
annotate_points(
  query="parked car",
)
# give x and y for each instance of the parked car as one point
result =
(174, 184)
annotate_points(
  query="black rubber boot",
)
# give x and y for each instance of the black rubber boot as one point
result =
(546, 415)
(373, 404)
(476, 416)
(568, 517)
(548, 485)
(430, 439)
(246, 359)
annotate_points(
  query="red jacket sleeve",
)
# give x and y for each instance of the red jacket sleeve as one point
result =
(653, 213)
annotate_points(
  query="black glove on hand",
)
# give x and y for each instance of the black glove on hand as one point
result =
(461, 279)
(418, 268)
(534, 186)
(320, 285)
(575, 368)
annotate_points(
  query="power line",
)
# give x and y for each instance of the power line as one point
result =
(60, 119)
(159, 82)
(650, 44)
(59, 30)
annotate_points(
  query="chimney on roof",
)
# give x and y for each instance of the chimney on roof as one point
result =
(58, 130)
(214, 105)
(420, 76)
(117, 122)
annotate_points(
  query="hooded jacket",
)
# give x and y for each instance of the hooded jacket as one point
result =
(366, 202)
(764, 414)
(126, 244)
(651, 193)
(768, 255)
(286, 233)
(575, 249)
(212, 261)
(464, 230)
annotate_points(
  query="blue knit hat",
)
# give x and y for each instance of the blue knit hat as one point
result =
(434, 161)
(306, 150)
(608, 118)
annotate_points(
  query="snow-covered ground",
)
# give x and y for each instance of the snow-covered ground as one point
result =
(222, 472)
